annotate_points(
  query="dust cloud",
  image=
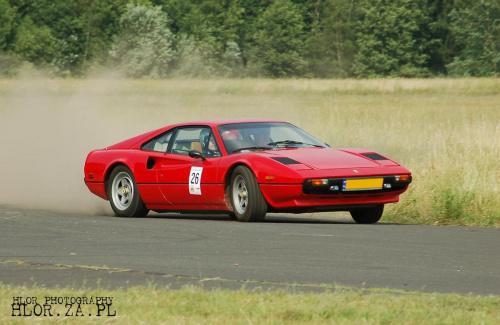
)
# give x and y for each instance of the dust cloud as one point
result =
(47, 128)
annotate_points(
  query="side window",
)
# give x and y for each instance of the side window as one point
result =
(159, 144)
(195, 138)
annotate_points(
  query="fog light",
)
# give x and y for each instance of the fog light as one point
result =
(334, 188)
(387, 185)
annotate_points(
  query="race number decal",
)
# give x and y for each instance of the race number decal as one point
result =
(195, 180)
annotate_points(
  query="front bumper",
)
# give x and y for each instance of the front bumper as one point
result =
(302, 197)
(391, 183)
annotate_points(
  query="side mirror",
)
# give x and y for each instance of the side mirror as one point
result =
(196, 155)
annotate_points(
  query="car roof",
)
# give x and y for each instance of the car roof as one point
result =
(217, 122)
(135, 141)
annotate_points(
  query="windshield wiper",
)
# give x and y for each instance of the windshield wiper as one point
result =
(251, 148)
(291, 142)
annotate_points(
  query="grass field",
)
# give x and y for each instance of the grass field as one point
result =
(192, 305)
(446, 131)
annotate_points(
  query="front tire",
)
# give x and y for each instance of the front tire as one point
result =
(367, 215)
(123, 194)
(246, 198)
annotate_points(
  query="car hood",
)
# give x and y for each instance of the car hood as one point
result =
(328, 158)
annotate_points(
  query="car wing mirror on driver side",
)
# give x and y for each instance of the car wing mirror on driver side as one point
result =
(196, 154)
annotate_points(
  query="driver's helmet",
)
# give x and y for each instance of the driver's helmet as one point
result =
(204, 135)
(230, 134)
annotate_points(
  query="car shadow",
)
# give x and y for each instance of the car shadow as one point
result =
(270, 218)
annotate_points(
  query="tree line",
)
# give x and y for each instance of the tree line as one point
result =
(252, 38)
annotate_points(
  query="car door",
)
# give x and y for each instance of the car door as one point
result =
(186, 182)
(154, 151)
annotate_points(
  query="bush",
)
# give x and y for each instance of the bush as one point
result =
(143, 46)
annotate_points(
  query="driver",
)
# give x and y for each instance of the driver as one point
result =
(262, 136)
(208, 143)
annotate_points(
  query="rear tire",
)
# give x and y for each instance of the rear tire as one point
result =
(123, 194)
(367, 215)
(246, 198)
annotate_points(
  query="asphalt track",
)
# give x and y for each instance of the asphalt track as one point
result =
(303, 252)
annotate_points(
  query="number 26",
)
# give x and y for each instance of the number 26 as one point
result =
(195, 178)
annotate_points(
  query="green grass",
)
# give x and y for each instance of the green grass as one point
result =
(446, 131)
(193, 305)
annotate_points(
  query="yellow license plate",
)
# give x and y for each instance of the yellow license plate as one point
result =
(362, 184)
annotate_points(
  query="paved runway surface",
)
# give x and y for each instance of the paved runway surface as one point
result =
(311, 250)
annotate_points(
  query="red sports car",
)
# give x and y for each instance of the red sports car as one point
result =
(244, 168)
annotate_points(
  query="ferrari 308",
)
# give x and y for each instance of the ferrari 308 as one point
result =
(244, 168)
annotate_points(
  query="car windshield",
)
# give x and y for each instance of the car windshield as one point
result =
(242, 137)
